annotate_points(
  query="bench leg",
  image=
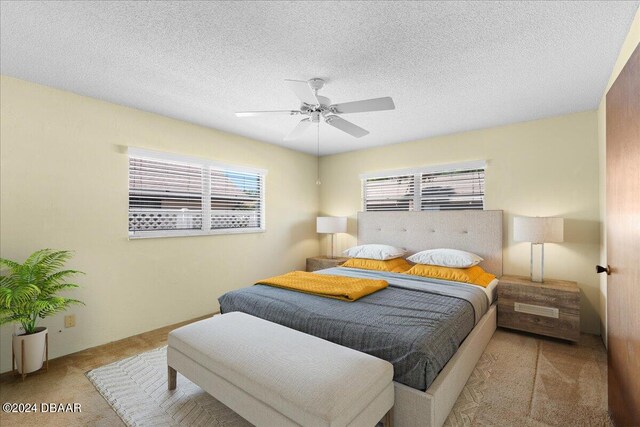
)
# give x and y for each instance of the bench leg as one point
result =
(387, 421)
(172, 377)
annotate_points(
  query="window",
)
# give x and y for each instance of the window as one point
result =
(389, 193)
(236, 199)
(172, 195)
(446, 187)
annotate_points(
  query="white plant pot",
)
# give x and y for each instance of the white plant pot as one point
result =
(34, 350)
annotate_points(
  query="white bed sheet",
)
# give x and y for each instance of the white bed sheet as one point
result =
(491, 290)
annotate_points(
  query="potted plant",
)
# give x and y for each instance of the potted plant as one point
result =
(29, 292)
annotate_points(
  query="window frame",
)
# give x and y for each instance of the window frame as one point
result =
(206, 166)
(417, 182)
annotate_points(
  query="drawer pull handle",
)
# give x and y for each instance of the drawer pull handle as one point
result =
(537, 310)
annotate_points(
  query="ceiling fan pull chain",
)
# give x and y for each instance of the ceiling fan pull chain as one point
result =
(318, 182)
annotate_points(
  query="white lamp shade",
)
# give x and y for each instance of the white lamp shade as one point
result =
(538, 229)
(331, 224)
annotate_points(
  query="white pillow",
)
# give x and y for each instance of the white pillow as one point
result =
(379, 252)
(446, 258)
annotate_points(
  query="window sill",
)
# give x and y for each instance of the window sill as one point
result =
(191, 233)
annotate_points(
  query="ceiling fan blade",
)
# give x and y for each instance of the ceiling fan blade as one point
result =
(298, 130)
(303, 91)
(375, 104)
(267, 113)
(346, 126)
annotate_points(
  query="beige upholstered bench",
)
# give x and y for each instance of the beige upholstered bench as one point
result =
(272, 375)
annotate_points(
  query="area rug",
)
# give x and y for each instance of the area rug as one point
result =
(520, 380)
(465, 409)
(532, 381)
(136, 388)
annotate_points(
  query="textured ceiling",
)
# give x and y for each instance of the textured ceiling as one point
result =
(449, 66)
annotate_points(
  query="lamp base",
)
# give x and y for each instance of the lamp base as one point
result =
(537, 260)
(331, 255)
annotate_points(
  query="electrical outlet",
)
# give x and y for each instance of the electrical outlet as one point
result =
(70, 321)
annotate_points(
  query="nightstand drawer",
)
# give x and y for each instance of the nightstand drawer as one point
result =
(545, 297)
(565, 326)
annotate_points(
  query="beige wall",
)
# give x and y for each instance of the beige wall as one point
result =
(629, 45)
(539, 168)
(64, 185)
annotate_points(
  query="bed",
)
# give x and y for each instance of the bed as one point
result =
(432, 332)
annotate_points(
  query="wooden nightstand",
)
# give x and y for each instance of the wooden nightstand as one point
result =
(551, 308)
(321, 262)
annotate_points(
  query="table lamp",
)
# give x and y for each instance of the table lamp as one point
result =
(538, 231)
(331, 225)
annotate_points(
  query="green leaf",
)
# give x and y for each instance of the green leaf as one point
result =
(58, 276)
(30, 290)
(6, 263)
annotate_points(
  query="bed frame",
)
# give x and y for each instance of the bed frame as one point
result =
(475, 231)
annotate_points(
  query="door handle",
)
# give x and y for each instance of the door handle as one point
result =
(601, 269)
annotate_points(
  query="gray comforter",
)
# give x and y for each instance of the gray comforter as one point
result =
(417, 324)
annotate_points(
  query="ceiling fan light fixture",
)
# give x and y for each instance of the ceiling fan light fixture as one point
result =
(316, 83)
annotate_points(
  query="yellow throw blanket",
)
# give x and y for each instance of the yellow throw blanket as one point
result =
(324, 285)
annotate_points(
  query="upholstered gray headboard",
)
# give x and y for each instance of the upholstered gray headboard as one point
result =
(475, 231)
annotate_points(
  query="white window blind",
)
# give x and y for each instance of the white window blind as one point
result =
(452, 190)
(164, 195)
(172, 195)
(389, 193)
(236, 199)
(443, 187)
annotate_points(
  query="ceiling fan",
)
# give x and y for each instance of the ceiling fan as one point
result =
(315, 106)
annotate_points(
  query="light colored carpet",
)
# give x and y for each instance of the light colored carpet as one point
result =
(520, 380)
